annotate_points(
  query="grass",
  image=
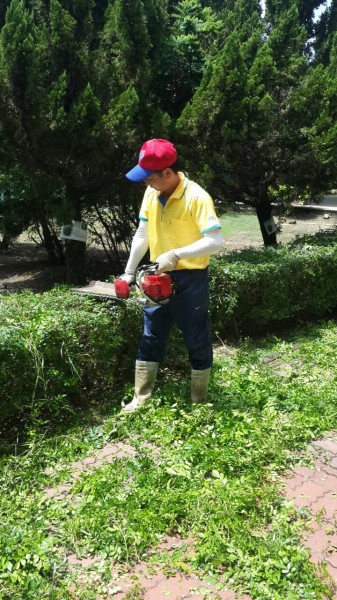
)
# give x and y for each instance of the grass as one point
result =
(233, 222)
(206, 473)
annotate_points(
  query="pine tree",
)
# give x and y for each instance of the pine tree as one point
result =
(325, 30)
(192, 33)
(241, 114)
(74, 78)
(326, 122)
(3, 9)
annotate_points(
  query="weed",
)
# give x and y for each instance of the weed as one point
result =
(205, 474)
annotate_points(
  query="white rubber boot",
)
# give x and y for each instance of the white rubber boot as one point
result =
(145, 378)
(199, 385)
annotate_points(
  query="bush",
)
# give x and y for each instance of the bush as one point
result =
(255, 289)
(58, 349)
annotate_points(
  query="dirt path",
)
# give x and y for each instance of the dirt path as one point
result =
(25, 266)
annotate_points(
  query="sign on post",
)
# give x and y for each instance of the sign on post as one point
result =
(76, 230)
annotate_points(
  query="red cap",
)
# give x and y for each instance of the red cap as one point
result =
(155, 155)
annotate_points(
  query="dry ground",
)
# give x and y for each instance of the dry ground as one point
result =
(25, 266)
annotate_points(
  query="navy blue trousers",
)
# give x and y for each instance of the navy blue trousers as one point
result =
(188, 309)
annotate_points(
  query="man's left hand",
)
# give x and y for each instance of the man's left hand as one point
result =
(167, 262)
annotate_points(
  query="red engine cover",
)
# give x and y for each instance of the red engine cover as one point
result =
(157, 287)
(122, 289)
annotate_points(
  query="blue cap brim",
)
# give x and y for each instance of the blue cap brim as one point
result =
(138, 174)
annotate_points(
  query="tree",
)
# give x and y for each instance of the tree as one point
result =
(325, 30)
(306, 11)
(241, 115)
(324, 128)
(3, 8)
(74, 77)
(24, 205)
(192, 33)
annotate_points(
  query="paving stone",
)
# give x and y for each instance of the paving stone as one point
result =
(332, 572)
(326, 504)
(83, 562)
(306, 494)
(58, 492)
(108, 450)
(313, 489)
(319, 541)
(271, 357)
(330, 470)
(333, 463)
(327, 481)
(327, 444)
(317, 557)
(331, 558)
(177, 587)
(318, 492)
(77, 465)
(291, 485)
(51, 492)
(304, 472)
(90, 460)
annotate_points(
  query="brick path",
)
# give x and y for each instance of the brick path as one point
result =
(314, 488)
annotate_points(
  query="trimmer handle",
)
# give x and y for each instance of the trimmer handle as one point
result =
(152, 268)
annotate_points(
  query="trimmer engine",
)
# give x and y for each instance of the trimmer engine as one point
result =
(157, 288)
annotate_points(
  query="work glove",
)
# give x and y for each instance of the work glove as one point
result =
(167, 262)
(128, 277)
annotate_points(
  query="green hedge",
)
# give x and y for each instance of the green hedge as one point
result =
(58, 350)
(253, 290)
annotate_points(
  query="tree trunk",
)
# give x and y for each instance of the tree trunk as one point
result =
(75, 250)
(52, 245)
(5, 242)
(264, 214)
(75, 262)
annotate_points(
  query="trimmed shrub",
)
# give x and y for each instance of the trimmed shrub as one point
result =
(58, 349)
(255, 289)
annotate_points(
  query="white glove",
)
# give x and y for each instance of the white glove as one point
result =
(128, 277)
(167, 262)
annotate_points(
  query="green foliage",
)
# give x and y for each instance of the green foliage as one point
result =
(325, 30)
(193, 31)
(67, 350)
(254, 289)
(206, 473)
(255, 122)
(77, 76)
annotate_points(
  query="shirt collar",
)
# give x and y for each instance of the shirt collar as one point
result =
(178, 192)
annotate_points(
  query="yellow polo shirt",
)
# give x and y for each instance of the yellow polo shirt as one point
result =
(183, 219)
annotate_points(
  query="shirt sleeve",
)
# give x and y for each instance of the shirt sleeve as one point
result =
(209, 244)
(203, 212)
(139, 246)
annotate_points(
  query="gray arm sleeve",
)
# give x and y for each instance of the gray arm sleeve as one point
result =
(210, 243)
(139, 246)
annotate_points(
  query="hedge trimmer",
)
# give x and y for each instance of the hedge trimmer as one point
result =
(155, 288)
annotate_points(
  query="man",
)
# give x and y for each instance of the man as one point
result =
(179, 225)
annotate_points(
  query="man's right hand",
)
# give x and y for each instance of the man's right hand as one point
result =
(128, 277)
